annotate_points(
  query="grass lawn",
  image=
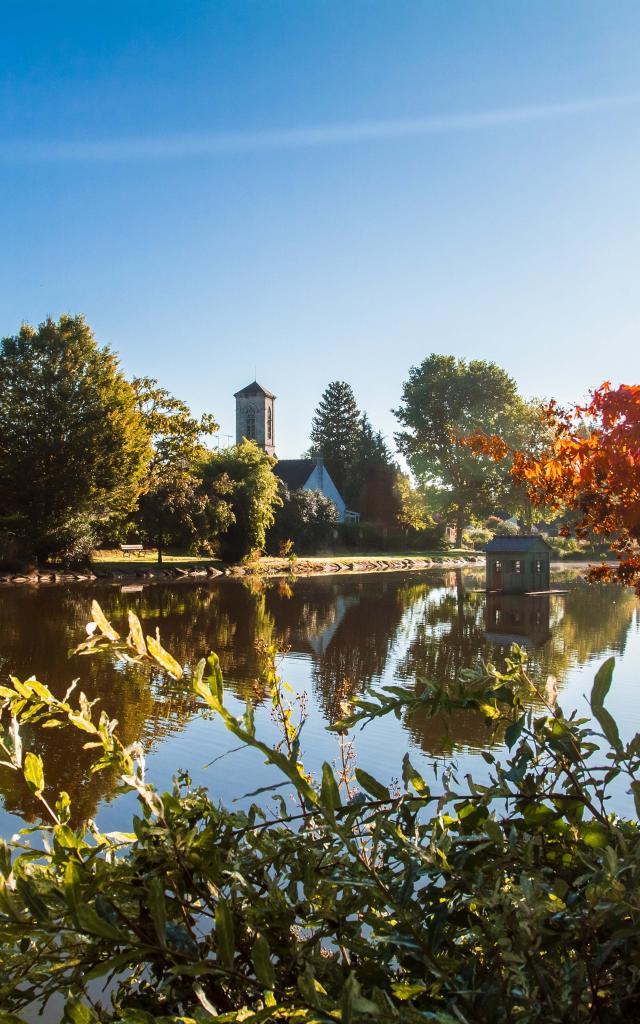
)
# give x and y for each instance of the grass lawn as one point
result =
(364, 556)
(148, 559)
(114, 559)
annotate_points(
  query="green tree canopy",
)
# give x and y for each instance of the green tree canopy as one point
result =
(371, 477)
(177, 435)
(73, 446)
(173, 508)
(413, 506)
(241, 479)
(447, 398)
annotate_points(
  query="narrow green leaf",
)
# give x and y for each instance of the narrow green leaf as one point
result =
(166, 660)
(5, 859)
(225, 942)
(113, 963)
(214, 678)
(136, 636)
(329, 792)
(102, 622)
(371, 785)
(602, 683)
(600, 689)
(79, 1013)
(91, 923)
(72, 885)
(32, 899)
(513, 731)
(157, 908)
(411, 776)
(34, 773)
(262, 965)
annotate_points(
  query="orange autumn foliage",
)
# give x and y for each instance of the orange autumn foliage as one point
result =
(592, 467)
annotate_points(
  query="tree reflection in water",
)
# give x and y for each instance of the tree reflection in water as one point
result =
(349, 631)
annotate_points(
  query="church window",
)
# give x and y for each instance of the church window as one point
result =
(269, 424)
(251, 424)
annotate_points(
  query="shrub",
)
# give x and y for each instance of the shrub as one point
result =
(477, 536)
(511, 900)
(505, 528)
(307, 518)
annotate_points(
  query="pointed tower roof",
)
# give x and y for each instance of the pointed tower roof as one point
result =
(253, 389)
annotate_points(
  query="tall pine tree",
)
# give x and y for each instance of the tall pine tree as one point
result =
(335, 430)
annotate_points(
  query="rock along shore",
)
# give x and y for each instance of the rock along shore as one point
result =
(299, 567)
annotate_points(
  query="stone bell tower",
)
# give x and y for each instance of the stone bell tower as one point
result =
(255, 416)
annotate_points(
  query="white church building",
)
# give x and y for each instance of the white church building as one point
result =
(255, 421)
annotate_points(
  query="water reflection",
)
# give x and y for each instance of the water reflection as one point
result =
(345, 632)
(521, 619)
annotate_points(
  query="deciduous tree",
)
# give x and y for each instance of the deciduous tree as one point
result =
(73, 446)
(591, 467)
(173, 508)
(444, 399)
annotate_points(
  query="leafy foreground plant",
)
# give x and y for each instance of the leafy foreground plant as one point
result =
(511, 901)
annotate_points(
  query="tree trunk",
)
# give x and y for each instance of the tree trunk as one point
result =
(460, 517)
(160, 550)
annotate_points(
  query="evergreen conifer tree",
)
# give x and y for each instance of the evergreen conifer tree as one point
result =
(335, 430)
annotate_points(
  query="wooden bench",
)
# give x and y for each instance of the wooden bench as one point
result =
(131, 549)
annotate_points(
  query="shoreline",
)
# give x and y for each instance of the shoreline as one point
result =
(274, 568)
(266, 568)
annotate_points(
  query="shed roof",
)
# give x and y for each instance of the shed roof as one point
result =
(253, 389)
(516, 545)
(294, 472)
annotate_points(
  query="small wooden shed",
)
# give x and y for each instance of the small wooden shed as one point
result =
(518, 565)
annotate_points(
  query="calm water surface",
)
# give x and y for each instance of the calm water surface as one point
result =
(338, 635)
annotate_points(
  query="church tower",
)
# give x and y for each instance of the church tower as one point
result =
(255, 416)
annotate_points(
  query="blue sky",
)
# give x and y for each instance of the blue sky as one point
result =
(326, 190)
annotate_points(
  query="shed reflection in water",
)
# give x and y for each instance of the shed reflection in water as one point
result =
(518, 619)
(342, 634)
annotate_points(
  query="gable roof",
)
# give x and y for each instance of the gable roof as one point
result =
(253, 389)
(294, 472)
(514, 545)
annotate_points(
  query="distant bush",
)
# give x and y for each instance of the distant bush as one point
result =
(307, 518)
(477, 536)
(367, 537)
(504, 528)
(572, 547)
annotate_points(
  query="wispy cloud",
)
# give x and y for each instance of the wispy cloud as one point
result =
(177, 147)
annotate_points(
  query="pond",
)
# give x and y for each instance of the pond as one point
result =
(337, 635)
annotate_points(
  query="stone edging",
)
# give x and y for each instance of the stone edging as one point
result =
(300, 567)
(307, 568)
